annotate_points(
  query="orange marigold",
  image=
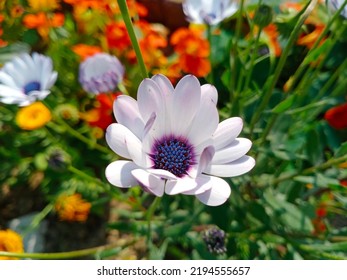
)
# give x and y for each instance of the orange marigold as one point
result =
(10, 241)
(117, 36)
(43, 5)
(84, 51)
(34, 116)
(43, 22)
(193, 51)
(72, 208)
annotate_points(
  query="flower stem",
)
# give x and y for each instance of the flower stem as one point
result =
(38, 218)
(129, 25)
(234, 57)
(63, 255)
(310, 170)
(274, 78)
(149, 217)
(327, 28)
(78, 135)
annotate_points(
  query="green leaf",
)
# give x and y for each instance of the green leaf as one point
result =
(314, 148)
(40, 161)
(284, 105)
(342, 150)
(289, 214)
(314, 55)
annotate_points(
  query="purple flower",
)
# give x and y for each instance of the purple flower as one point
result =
(100, 73)
(173, 142)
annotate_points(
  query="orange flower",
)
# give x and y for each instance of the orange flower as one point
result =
(117, 36)
(151, 43)
(43, 23)
(308, 39)
(102, 115)
(10, 241)
(193, 51)
(272, 35)
(43, 5)
(83, 51)
(72, 208)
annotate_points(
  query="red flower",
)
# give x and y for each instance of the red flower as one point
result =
(101, 116)
(337, 116)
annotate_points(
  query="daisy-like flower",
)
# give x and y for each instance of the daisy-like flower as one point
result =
(100, 73)
(173, 142)
(209, 12)
(336, 4)
(26, 79)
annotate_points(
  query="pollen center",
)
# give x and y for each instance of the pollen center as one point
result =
(174, 155)
(31, 87)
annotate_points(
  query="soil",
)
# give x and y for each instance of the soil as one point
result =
(64, 236)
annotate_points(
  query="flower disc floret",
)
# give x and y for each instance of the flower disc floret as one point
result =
(173, 154)
(172, 142)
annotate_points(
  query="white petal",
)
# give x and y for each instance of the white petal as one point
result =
(6, 91)
(205, 122)
(118, 173)
(151, 100)
(127, 113)
(217, 195)
(116, 139)
(232, 169)
(185, 103)
(8, 80)
(226, 132)
(149, 182)
(164, 174)
(164, 84)
(210, 92)
(238, 148)
(184, 185)
(204, 183)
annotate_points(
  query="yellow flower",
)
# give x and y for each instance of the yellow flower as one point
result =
(33, 116)
(43, 5)
(10, 241)
(72, 208)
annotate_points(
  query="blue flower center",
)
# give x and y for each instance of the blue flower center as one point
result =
(32, 86)
(174, 155)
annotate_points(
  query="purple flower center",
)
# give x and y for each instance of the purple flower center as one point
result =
(173, 154)
(32, 86)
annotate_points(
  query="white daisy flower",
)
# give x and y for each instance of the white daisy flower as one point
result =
(173, 142)
(336, 4)
(26, 79)
(100, 73)
(209, 12)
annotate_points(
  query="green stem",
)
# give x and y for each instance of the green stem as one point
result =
(209, 37)
(234, 55)
(310, 170)
(303, 65)
(62, 255)
(129, 25)
(79, 136)
(254, 54)
(293, 37)
(38, 218)
(149, 217)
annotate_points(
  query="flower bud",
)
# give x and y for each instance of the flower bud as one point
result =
(263, 16)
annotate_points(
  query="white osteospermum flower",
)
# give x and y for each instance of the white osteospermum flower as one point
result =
(174, 143)
(209, 12)
(336, 4)
(100, 73)
(26, 79)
